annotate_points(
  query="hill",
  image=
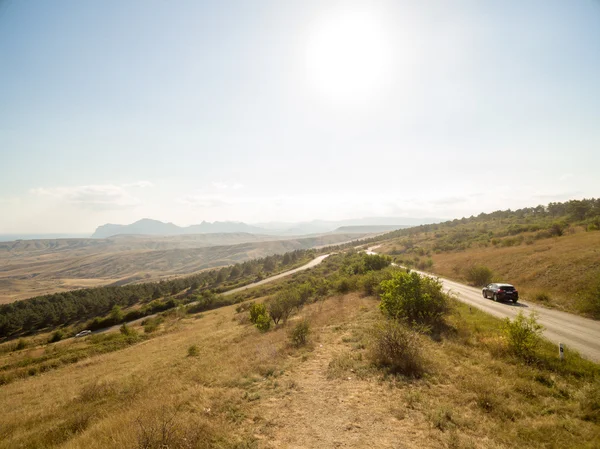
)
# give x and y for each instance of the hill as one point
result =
(37, 267)
(210, 378)
(551, 253)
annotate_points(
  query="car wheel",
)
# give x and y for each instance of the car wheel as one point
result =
(515, 301)
(484, 295)
(495, 297)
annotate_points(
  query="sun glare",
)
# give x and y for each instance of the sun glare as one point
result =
(348, 56)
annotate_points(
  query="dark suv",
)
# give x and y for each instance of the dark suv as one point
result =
(501, 292)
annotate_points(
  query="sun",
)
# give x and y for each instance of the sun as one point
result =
(348, 57)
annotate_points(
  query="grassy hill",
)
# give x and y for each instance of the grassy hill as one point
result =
(552, 253)
(212, 379)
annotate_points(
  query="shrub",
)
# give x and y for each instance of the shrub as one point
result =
(257, 310)
(263, 323)
(151, 324)
(376, 262)
(397, 349)
(193, 351)
(557, 229)
(127, 331)
(299, 333)
(479, 275)
(523, 335)
(56, 336)
(414, 298)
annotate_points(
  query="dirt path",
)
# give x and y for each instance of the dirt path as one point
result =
(321, 411)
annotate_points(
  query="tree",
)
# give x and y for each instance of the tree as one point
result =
(235, 272)
(116, 314)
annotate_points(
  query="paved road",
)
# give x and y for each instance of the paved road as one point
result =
(574, 331)
(316, 261)
(581, 334)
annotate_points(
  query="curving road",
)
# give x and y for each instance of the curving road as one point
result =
(316, 261)
(575, 332)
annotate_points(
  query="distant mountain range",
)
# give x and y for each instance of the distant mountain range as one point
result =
(147, 226)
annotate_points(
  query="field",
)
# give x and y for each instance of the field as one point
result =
(36, 267)
(213, 380)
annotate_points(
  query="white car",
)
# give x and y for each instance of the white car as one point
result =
(83, 333)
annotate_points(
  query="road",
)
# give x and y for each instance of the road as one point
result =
(313, 263)
(575, 332)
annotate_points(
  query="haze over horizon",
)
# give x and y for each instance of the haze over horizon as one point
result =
(292, 111)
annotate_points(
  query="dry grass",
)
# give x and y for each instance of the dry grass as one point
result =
(38, 267)
(243, 388)
(557, 267)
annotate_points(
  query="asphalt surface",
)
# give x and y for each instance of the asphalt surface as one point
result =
(575, 332)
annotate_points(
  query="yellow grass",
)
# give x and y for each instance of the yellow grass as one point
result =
(561, 266)
(247, 389)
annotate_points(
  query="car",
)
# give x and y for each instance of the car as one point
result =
(500, 292)
(83, 333)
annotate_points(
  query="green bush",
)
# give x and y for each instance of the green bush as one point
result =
(257, 310)
(397, 348)
(370, 283)
(193, 351)
(299, 333)
(419, 300)
(127, 331)
(151, 324)
(56, 336)
(263, 323)
(376, 262)
(479, 275)
(523, 335)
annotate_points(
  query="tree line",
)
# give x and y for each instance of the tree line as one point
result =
(59, 309)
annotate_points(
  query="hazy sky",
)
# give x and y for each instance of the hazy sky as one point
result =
(111, 111)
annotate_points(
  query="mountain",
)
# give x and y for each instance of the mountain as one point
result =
(147, 226)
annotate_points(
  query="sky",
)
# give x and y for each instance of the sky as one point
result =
(180, 111)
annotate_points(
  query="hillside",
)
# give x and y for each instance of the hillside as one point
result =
(551, 253)
(35, 267)
(212, 379)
